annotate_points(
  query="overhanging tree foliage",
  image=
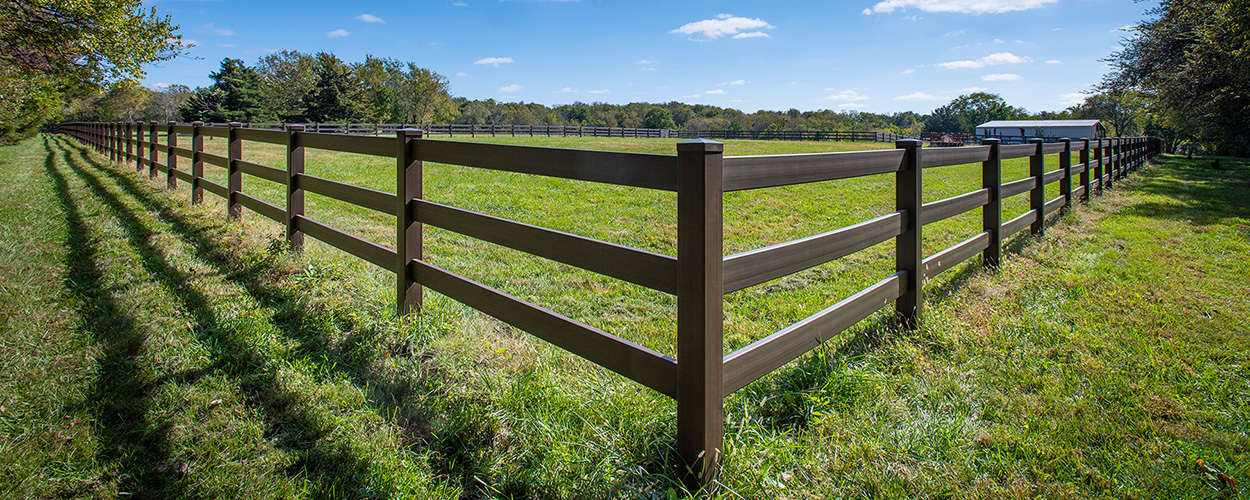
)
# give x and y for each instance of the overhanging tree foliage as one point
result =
(54, 50)
(1190, 60)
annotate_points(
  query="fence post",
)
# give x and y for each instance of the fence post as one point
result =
(1085, 172)
(1037, 196)
(197, 163)
(408, 238)
(700, 309)
(1098, 163)
(138, 147)
(152, 138)
(992, 212)
(171, 160)
(1065, 163)
(234, 177)
(909, 255)
(294, 193)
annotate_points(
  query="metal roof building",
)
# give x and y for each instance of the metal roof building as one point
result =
(1051, 129)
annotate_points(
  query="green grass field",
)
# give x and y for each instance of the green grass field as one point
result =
(153, 349)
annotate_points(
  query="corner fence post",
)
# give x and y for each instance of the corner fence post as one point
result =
(138, 146)
(992, 212)
(152, 138)
(171, 160)
(1037, 196)
(700, 310)
(1065, 163)
(909, 254)
(234, 177)
(1085, 172)
(294, 193)
(408, 238)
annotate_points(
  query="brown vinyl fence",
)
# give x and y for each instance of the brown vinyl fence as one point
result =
(791, 135)
(699, 377)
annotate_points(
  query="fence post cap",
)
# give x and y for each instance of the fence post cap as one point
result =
(197, 123)
(990, 141)
(294, 127)
(236, 125)
(908, 143)
(1036, 140)
(703, 145)
(171, 123)
(410, 132)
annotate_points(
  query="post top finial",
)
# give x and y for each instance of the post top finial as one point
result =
(704, 145)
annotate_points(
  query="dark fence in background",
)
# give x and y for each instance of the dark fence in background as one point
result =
(699, 377)
(452, 130)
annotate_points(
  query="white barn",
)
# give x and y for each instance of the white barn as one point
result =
(1052, 129)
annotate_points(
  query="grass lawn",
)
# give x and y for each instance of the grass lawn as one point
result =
(149, 347)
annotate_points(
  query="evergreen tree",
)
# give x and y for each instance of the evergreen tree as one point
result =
(336, 94)
(242, 92)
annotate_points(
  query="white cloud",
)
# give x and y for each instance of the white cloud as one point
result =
(733, 83)
(990, 60)
(1071, 99)
(917, 96)
(724, 25)
(459, 4)
(160, 85)
(462, 74)
(600, 91)
(752, 34)
(218, 31)
(1057, 29)
(849, 105)
(648, 69)
(715, 92)
(337, 34)
(908, 71)
(1000, 77)
(190, 42)
(567, 90)
(644, 61)
(955, 33)
(370, 18)
(1053, 61)
(227, 45)
(511, 89)
(999, 40)
(912, 18)
(494, 61)
(847, 95)
(1127, 27)
(973, 89)
(958, 6)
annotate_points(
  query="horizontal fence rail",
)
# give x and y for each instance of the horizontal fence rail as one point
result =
(700, 375)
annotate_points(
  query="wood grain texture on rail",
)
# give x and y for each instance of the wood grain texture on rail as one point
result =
(943, 209)
(1018, 151)
(643, 170)
(940, 262)
(262, 207)
(761, 265)
(1018, 187)
(372, 199)
(640, 267)
(1014, 226)
(754, 172)
(371, 252)
(943, 157)
(265, 172)
(642, 365)
(767, 354)
(261, 135)
(358, 144)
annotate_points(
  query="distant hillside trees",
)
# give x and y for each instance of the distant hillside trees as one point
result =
(965, 112)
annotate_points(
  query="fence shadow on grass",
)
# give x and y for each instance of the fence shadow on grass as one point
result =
(455, 429)
(120, 397)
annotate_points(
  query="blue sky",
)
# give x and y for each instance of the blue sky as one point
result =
(870, 55)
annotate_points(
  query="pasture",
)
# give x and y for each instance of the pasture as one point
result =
(155, 349)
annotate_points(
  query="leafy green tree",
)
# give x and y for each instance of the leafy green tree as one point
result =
(1190, 60)
(242, 94)
(286, 77)
(204, 104)
(54, 51)
(1120, 110)
(336, 95)
(965, 112)
(658, 117)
